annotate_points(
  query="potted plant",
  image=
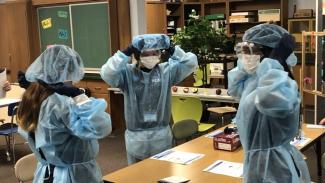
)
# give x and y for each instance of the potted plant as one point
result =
(201, 39)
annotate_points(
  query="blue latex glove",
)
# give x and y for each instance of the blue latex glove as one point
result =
(130, 50)
(65, 89)
(171, 49)
(23, 83)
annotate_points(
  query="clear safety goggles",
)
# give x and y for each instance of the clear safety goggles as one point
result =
(248, 48)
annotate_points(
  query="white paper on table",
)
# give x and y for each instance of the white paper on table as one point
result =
(226, 168)
(315, 126)
(174, 179)
(179, 157)
(8, 101)
(3, 79)
(214, 133)
(300, 142)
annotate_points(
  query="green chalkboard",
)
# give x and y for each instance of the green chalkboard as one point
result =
(83, 27)
(90, 33)
(54, 26)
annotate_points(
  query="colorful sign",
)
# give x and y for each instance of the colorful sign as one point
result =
(47, 23)
(62, 14)
(63, 34)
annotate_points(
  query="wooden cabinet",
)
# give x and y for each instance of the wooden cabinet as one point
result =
(164, 17)
(155, 22)
(4, 49)
(309, 69)
(253, 6)
(15, 47)
(98, 89)
(309, 100)
(161, 14)
(295, 28)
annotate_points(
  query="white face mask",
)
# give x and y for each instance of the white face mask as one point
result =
(250, 62)
(150, 61)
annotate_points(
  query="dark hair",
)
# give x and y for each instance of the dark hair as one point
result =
(29, 107)
(266, 54)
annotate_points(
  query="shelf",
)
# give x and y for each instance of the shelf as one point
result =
(161, 2)
(192, 3)
(301, 19)
(238, 35)
(235, 11)
(305, 52)
(245, 22)
(219, 2)
(173, 3)
(250, 22)
(314, 92)
(176, 16)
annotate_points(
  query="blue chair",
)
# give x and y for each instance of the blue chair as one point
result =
(8, 130)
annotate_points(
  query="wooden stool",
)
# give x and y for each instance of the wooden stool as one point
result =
(222, 111)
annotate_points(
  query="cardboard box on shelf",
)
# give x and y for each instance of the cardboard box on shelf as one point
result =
(269, 15)
(303, 13)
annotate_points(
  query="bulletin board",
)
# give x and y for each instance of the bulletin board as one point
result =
(83, 27)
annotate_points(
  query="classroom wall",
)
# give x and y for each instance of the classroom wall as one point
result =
(301, 4)
(138, 17)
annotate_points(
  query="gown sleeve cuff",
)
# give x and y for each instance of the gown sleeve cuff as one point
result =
(81, 99)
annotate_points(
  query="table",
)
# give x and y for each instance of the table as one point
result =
(150, 170)
(206, 94)
(316, 136)
(7, 101)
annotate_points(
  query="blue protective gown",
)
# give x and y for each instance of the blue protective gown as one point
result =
(67, 135)
(147, 99)
(268, 119)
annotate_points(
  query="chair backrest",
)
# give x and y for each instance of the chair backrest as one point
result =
(12, 109)
(184, 129)
(25, 168)
(198, 76)
(184, 108)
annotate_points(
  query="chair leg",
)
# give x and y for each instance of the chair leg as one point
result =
(8, 148)
(13, 148)
(222, 120)
(10, 142)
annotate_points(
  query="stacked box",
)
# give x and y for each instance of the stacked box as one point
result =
(227, 142)
(269, 15)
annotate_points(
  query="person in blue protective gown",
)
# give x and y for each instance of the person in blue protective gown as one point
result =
(146, 85)
(61, 124)
(269, 106)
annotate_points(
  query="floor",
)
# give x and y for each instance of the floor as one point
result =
(112, 156)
